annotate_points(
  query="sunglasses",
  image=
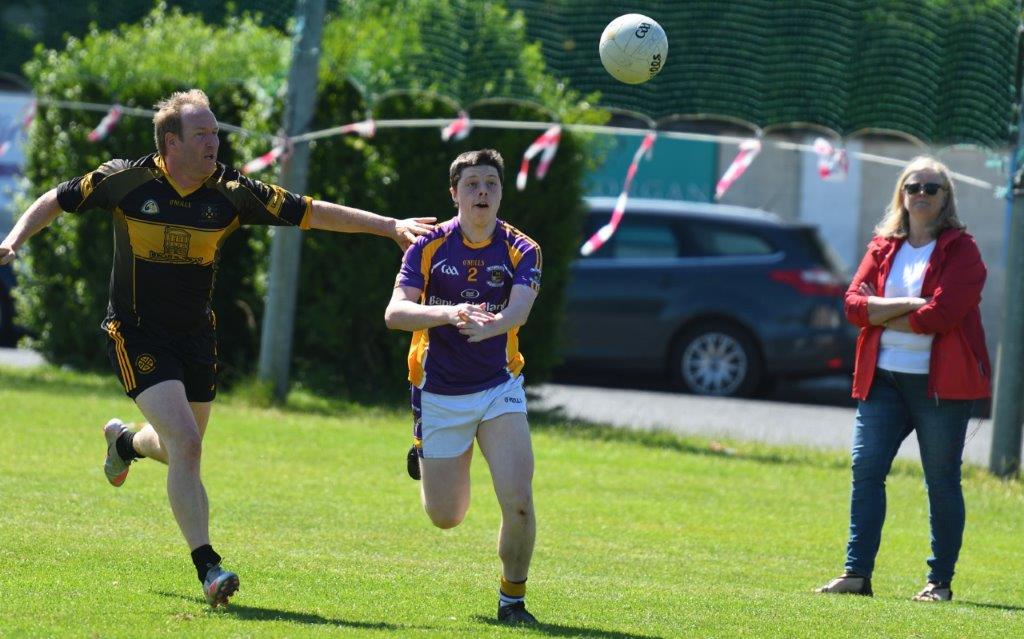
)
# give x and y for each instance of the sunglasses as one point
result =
(930, 188)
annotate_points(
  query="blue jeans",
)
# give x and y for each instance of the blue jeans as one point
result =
(898, 404)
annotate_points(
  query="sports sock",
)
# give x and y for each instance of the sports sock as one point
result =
(511, 592)
(125, 450)
(204, 558)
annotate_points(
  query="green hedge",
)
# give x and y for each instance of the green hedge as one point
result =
(341, 343)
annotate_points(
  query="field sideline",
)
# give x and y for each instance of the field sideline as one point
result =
(640, 536)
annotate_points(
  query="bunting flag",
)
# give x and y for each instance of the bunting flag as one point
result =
(265, 160)
(458, 129)
(748, 151)
(546, 142)
(30, 114)
(832, 162)
(367, 128)
(598, 239)
(7, 137)
(10, 134)
(106, 124)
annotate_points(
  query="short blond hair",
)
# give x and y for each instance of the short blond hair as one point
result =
(896, 221)
(168, 114)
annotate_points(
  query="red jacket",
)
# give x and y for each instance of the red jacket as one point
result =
(953, 280)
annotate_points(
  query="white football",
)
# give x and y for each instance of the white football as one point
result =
(633, 48)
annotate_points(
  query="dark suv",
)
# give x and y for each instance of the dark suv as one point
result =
(723, 299)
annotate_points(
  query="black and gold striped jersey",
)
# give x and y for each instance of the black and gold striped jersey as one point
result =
(167, 240)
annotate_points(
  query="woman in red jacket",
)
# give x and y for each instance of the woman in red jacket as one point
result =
(921, 362)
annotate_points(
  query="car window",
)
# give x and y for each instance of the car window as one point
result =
(636, 237)
(705, 239)
(645, 239)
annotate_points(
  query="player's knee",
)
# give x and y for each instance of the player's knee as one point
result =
(445, 518)
(518, 505)
(187, 447)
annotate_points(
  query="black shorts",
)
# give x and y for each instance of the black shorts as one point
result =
(144, 358)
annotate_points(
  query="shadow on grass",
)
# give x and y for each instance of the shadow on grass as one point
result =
(255, 613)
(993, 606)
(558, 630)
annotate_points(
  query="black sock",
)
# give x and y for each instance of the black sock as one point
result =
(125, 450)
(204, 558)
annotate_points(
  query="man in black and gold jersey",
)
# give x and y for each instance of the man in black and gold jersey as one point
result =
(172, 211)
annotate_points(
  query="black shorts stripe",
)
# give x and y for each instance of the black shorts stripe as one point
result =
(127, 374)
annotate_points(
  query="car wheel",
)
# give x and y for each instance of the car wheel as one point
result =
(716, 359)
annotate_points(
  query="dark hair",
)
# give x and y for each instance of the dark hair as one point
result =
(482, 157)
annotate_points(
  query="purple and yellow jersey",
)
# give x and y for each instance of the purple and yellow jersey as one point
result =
(450, 270)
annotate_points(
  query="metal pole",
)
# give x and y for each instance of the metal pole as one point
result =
(1007, 413)
(286, 243)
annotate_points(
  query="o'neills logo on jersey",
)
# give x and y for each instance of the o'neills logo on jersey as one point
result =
(176, 243)
(149, 207)
(434, 300)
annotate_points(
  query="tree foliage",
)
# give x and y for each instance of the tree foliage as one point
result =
(341, 343)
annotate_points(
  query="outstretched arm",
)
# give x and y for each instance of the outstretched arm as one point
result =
(405, 313)
(38, 216)
(345, 219)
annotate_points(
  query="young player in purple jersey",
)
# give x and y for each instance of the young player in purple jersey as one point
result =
(464, 290)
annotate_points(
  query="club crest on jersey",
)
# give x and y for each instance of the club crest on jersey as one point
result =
(209, 213)
(496, 276)
(149, 207)
(176, 243)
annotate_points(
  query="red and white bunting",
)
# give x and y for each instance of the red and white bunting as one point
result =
(832, 162)
(263, 161)
(29, 115)
(598, 239)
(458, 129)
(12, 132)
(366, 128)
(546, 142)
(748, 151)
(106, 124)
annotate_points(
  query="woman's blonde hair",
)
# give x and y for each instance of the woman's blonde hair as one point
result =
(896, 221)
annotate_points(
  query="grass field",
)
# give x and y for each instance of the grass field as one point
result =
(639, 536)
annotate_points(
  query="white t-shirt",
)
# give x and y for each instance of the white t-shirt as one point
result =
(903, 352)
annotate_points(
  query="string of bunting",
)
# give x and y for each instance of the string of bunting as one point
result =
(833, 161)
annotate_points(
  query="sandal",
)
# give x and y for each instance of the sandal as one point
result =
(934, 592)
(849, 583)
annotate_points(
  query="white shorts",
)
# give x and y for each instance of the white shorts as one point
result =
(444, 426)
